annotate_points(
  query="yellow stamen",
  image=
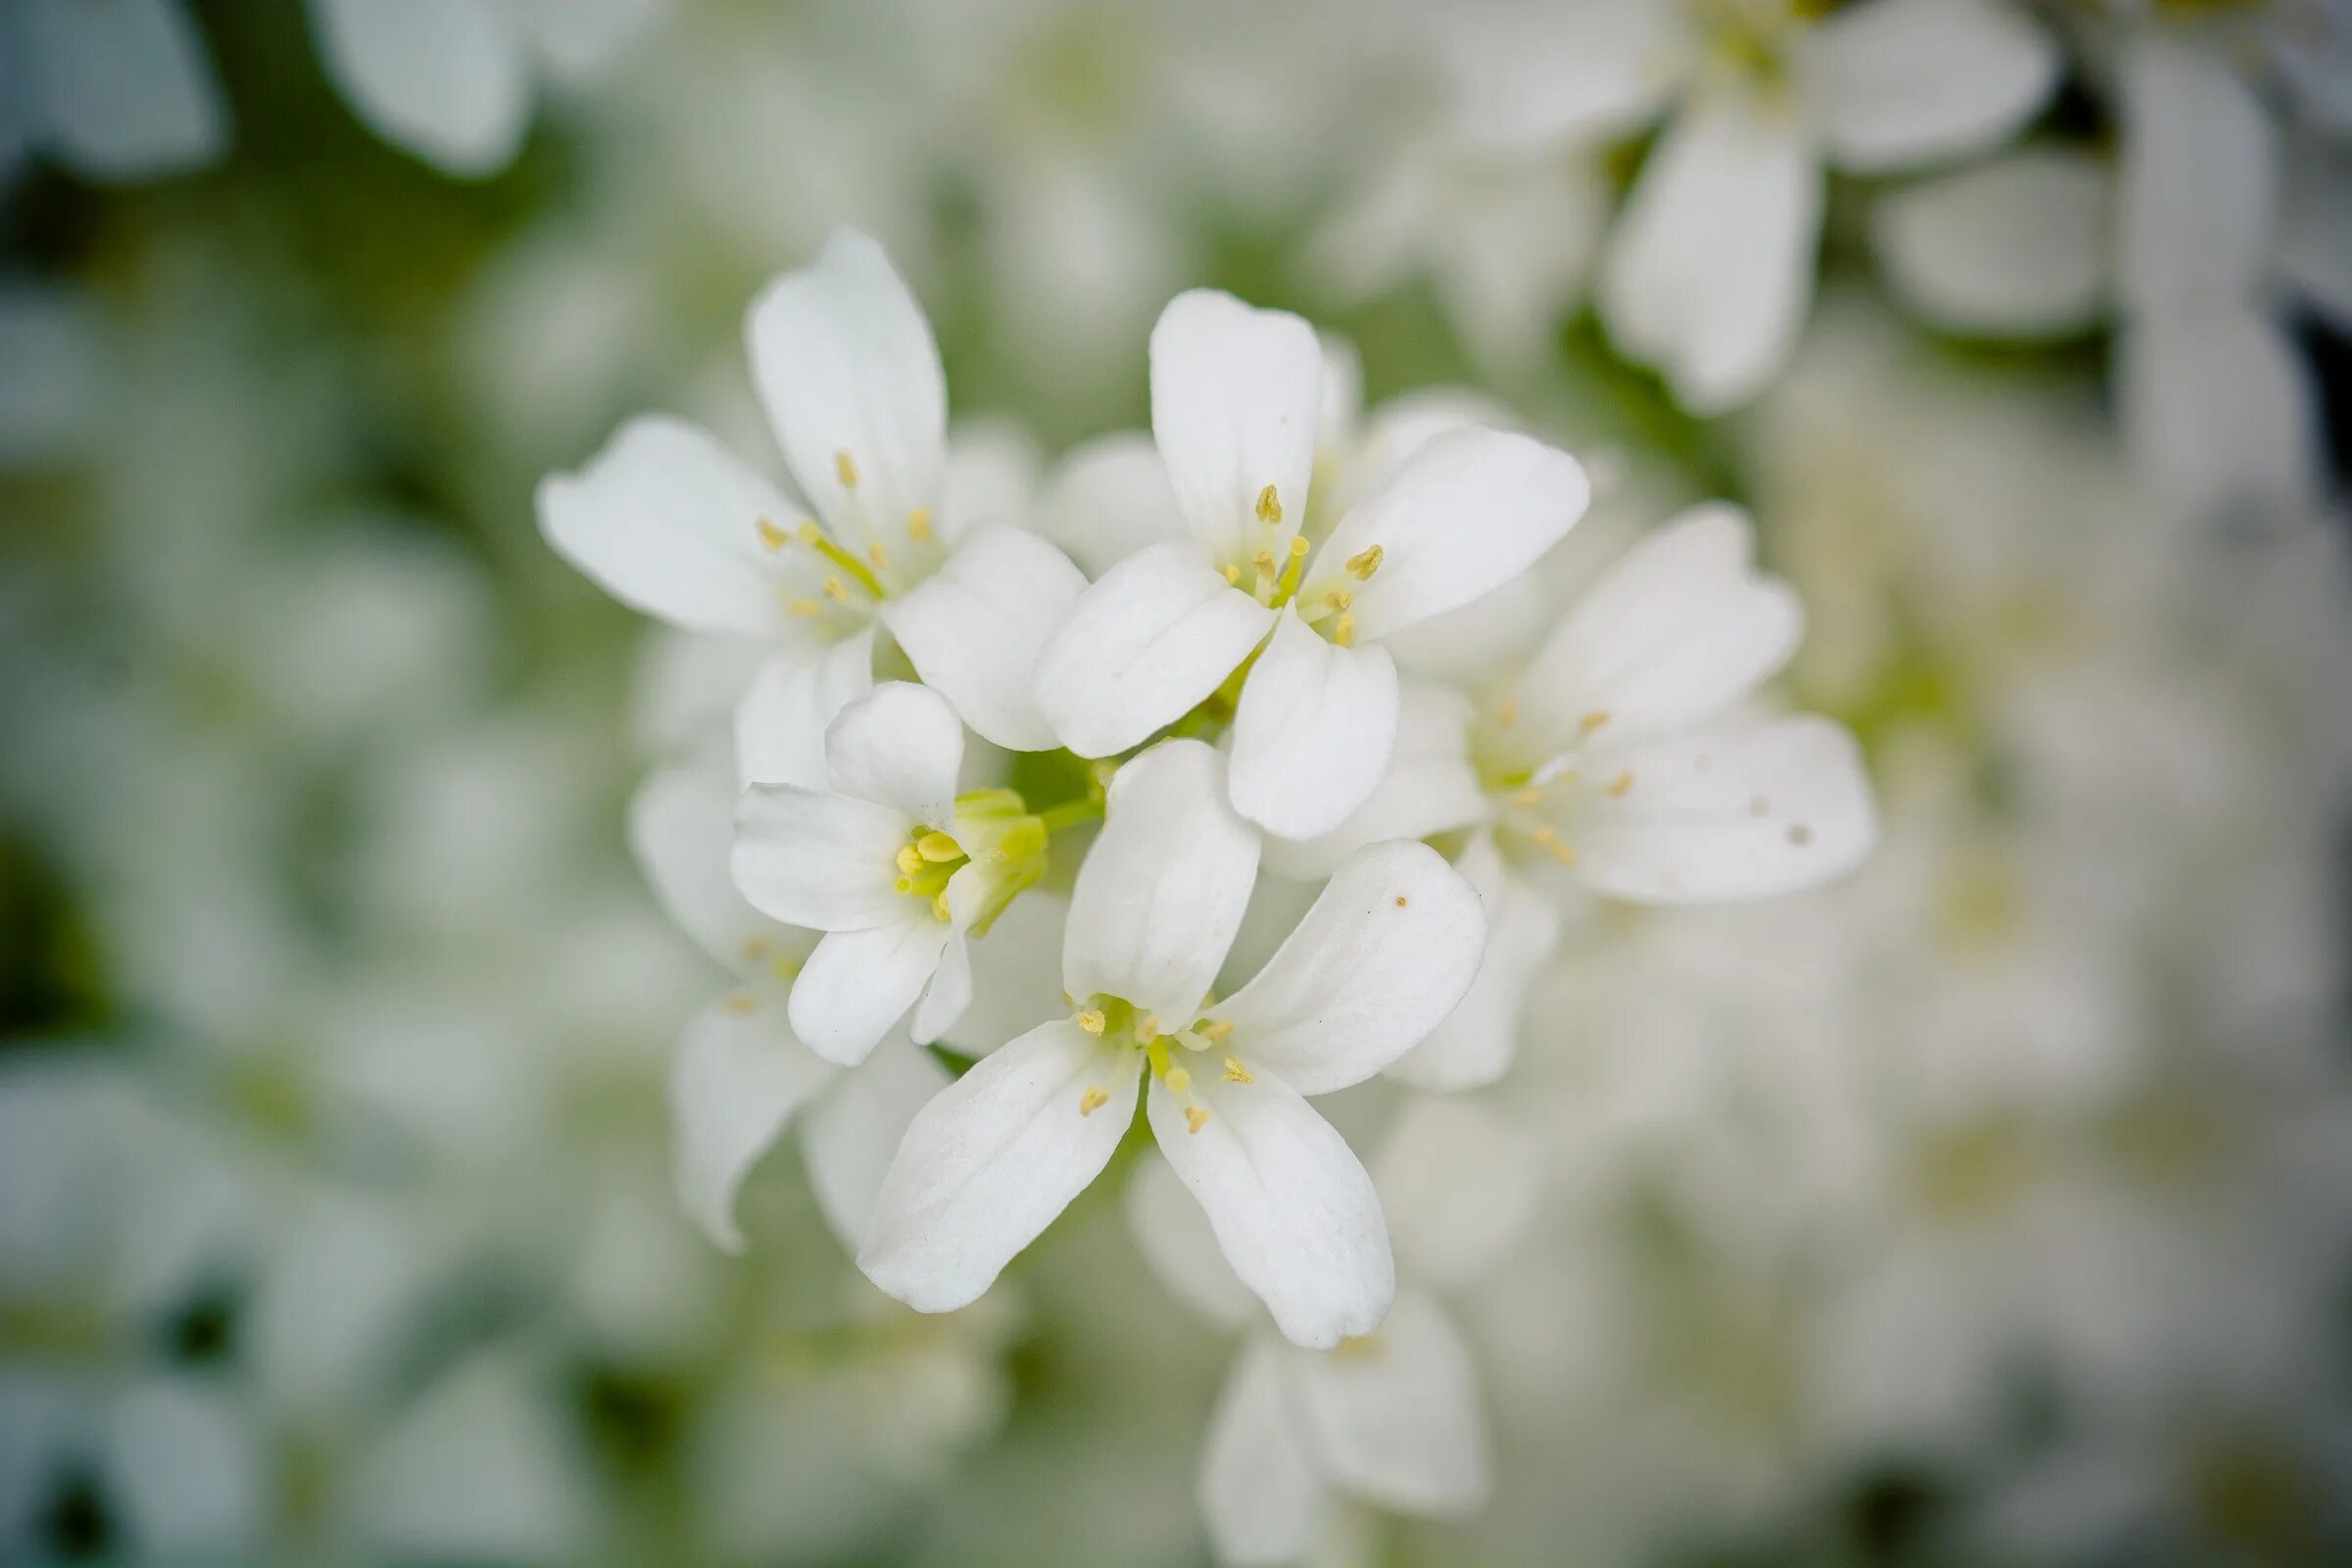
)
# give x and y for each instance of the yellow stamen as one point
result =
(754, 948)
(845, 468)
(1549, 837)
(910, 863)
(1269, 506)
(772, 536)
(918, 525)
(1196, 1117)
(741, 1002)
(803, 606)
(905, 884)
(1508, 714)
(1236, 1073)
(1291, 569)
(836, 590)
(1343, 630)
(1216, 1031)
(939, 907)
(1594, 721)
(1092, 1020)
(1340, 598)
(1178, 1080)
(1233, 575)
(785, 969)
(1528, 797)
(1147, 1027)
(937, 847)
(1091, 1101)
(1620, 784)
(1365, 562)
(878, 554)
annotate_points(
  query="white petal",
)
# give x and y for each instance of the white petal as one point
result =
(1467, 513)
(1262, 1495)
(1903, 82)
(1292, 1210)
(1162, 892)
(1395, 1420)
(1459, 1184)
(900, 746)
(668, 522)
(1530, 78)
(187, 1475)
(991, 477)
(60, 386)
(445, 78)
(949, 992)
(1156, 636)
(1711, 270)
(1174, 1237)
(2198, 203)
(1478, 1039)
(688, 685)
(580, 41)
(1430, 787)
(851, 1134)
(1108, 499)
(1235, 395)
(738, 1078)
(974, 627)
(992, 1160)
(1678, 629)
(1739, 810)
(781, 723)
(682, 831)
(858, 984)
(1313, 731)
(125, 89)
(845, 363)
(2219, 413)
(2017, 246)
(1382, 958)
(825, 862)
(1016, 975)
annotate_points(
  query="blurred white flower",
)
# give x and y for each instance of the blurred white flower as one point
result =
(116, 90)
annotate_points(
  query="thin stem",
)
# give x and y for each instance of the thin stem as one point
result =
(1072, 813)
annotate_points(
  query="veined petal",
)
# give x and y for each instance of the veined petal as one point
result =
(858, 983)
(1681, 628)
(2017, 246)
(974, 627)
(447, 79)
(125, 90)
(902, 746)
(1313, 731)
(2219, 413)
(1108, 499)
(825, 862)
(1292, 1210)
(1160, 893)
(848, 371)
(682, 831)
(1459, 1184)
(1903, 82)
(737, 1080)
(1380, 959)
(1467, 513)
(1173, 1234)
(1711, 270)
(780, 724)
(2199, 196)
(1235, 393)
(949, 992)
(668, 522)
(1478, 1039)
(1429, 787)
(1395, 1419)
(1156, 636)
(850, 1136)
(991, 1161)
(1262, 1495)
(1744, 808)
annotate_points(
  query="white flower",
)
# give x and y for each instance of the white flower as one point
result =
(741, 1076)
(846, 369)
(1711, 270)
(116, 90)
(1383, 954)
(1392, 1418)
(1235, 400)
(451, 79)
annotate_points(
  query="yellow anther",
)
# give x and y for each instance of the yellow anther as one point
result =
(1549, 837)
(1365, 562)
(918, 525)
(1620, 784)
(1594, 721)
(1343, 630)
(811, 535)
(772, 536)
(905, 884)
(754, 948)
(785, 967)
(1092, 1020)
(939, 907)
(1091, 1101)
(1263, 561)
(845, 468)
(1233, 576)
(1508, 714)
(1400, 901)
(937, 847)
(1146, 1026)
(1179, 1081)
(741, 1001)
(836, 590)
(1216, 1031)
(1196, 1117)
(1339, 599)
(879, 555)
(909, 863)
(803, 606)
(1357, 1348)
(1528, 797)
(1236, 1073)
(1269, 506)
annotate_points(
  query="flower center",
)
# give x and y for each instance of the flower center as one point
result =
(926, 862)
(1120, 1024)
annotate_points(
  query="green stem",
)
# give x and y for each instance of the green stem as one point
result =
(1072, 813)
